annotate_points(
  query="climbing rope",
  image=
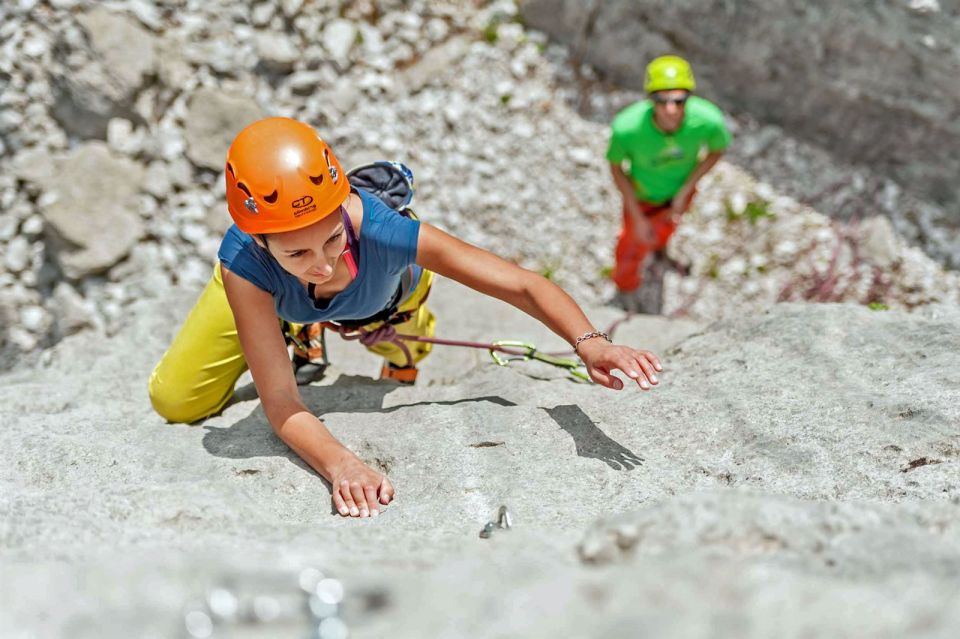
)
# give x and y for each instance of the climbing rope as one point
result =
(503, 351)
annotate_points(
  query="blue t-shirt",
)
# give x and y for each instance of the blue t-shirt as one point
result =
(388, 247)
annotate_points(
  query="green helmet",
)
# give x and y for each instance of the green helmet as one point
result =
(669, 72)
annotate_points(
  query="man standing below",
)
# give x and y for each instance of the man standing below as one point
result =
(666, 144)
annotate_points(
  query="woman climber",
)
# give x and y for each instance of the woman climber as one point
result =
(308, 248)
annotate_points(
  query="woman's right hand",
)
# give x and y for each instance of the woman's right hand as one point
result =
(358, 490)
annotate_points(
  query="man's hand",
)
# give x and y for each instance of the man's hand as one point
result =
(602, 357)
(678, 204)
(642, 229)
(358, 490)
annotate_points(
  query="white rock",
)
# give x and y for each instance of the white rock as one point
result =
(146, 13)
(21, 338)
(34, 318)
(180, 174)
(305, 83)
(583, 157)
(262, 14)
(73, 312)
(437, 30)
(291, 8)
(157, 181)
(35, 47)
(194, 272)
(372, 41)
(277, 51)
(510, 35)
(924, 6)
(17, 256)
(9, 224)
(879, 244)
(123, 138)
(338, 38)
(32, 226)
(193, 233)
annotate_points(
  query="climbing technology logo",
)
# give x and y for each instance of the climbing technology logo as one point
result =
(251, 205)
(302, 202)
(303, 205)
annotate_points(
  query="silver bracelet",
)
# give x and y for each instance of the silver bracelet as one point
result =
(589, 335)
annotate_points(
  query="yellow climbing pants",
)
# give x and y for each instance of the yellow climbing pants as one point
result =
(196, 376)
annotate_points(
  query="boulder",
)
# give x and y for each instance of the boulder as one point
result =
(99, 80)
(213, 119)
(92, 209)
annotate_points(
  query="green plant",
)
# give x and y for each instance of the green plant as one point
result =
(549, 269)
(713, 270)
(754, 210)
(878, 306)
(490, 30)
(757, 209)
(606, 272)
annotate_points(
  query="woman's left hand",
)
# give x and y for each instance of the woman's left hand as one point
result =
(602, 357)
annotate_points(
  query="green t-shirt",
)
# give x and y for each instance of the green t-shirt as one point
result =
(660, 163)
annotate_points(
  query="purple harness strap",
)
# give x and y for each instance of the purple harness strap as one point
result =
(353, 242)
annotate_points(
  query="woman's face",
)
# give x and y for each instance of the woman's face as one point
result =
(311, 253)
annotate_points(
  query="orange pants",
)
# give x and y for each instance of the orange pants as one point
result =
(631, 252)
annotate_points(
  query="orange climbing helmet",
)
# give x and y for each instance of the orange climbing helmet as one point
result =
(281, 176)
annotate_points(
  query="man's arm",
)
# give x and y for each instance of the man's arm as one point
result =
(680, 198)
(624, 184)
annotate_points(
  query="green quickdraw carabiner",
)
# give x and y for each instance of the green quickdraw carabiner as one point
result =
(529, 351)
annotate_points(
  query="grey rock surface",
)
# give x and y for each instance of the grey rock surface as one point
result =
(795, 473)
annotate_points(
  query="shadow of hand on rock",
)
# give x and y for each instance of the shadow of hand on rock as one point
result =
(590, 441)
(252, 436)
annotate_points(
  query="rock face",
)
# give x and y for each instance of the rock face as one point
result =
(805, 454)
(873, 83)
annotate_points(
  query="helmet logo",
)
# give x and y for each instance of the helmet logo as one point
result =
(251, 205)
(302, 202)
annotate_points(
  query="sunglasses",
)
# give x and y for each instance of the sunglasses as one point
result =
(666, 99)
